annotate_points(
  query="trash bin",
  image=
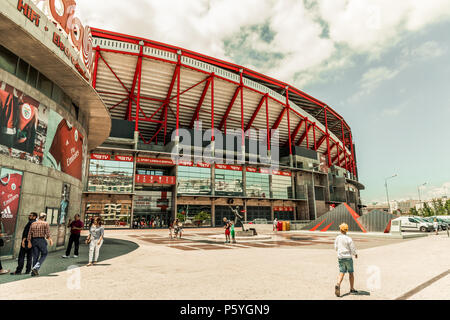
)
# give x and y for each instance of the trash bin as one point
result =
(288, 226)
(284, 226)
(279, 226)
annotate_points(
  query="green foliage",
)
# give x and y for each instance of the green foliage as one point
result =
(181, 217)
(447, 207)
(202, 215)
(427, 211)
(413, 212)
(438, 205)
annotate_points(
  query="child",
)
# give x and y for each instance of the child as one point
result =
(232, 232)
(345, 250)
(227, 230)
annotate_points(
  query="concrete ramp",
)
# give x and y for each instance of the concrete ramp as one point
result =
(377, 221)
(331, 220)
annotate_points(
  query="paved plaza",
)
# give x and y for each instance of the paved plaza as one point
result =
(146, 264)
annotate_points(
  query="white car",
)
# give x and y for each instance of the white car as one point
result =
(413, 224)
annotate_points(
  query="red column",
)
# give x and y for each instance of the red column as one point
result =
(307, 133)
(267, 122)
(138, 104)
(178, 94)
(288, 120)
(343, 141)
(242, 110)
(212, 106)
(314, 136)
(94, 75)
(328, 137)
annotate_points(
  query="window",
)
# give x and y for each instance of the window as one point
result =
(257, 185)
(32, 77)
(8, 60)
(194, 180)
(107, 175)
(228, 183)
(281, 187)
(22, 70)
(152, 210)
(45, 85)
(412, 220)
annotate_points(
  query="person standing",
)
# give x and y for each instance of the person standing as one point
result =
(226, 226)
(95, 240)
(345, 251)
(233, 239)
(24, 250)
(2, 243)
(37, 239)
(275, 224)
(75, 230)
(436, 226)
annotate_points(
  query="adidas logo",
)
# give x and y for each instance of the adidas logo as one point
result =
(7, 214)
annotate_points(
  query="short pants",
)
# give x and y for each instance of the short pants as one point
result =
(345, 265)
(227, 232)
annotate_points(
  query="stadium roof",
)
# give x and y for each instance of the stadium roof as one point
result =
(132, 71)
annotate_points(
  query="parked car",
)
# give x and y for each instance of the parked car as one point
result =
(442, 224)
(414, 224)
(430, 224)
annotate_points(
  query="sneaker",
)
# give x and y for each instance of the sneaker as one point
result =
(15, 273)
(65, 257)
(337, 291)
(3, 271)
(34, 273)
(353, 291)
(75, 256)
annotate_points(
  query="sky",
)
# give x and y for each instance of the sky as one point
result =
(381, 64)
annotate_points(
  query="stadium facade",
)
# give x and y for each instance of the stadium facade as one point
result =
(158, 94)
(90, 121)
(49, 118)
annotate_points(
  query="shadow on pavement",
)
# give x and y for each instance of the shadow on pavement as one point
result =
(54, 263)
(359, 293)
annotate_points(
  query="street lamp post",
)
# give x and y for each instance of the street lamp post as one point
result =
(418, 190)
(387, 193)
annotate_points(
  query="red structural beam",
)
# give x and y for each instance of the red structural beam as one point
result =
(200, 103)
(304, 135)
(320, 142)
(297, 129)
(137, 70)
(279, 119)
(255, 113)
(230, 106)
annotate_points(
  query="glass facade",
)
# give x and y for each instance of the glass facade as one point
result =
(257, 185)
(194, 181)
(152, 209)
(195, 215)
(114, 212)
(228, 183)
(258, 213)
(110, 176)
(281, 187)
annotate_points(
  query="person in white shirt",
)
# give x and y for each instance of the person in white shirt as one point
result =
(436, 225)
(275, 223)
(345, 251)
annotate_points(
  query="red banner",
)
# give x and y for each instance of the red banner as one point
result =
(123, 158)
(283, 209)
(228, 167)
(148, 179)
(98, 156)
(154, 160)
(267, 171)
(191, 164)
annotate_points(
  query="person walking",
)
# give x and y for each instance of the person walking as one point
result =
(171, 229)
(226, 226)
(275, 224)
(24, 250)
(345, 251)
(37, 239)
(436, 226)
(75, 231)
(2, 243)
(95, 240)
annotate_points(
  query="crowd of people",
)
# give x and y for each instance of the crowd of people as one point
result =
(36, 237)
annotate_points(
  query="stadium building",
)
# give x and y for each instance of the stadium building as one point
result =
(50, 117)
(90, 120)
(155, 91)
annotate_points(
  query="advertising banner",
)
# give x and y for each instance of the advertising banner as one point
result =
(31, 131)
(10, 187)
(63, 212)
(146, 179)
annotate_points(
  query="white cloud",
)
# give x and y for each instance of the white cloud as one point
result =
(203, 25)
(432, 192)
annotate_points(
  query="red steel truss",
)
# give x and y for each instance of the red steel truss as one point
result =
(339, 127)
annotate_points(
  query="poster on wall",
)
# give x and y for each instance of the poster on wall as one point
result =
(23, 125)
(10, 187)
(31, 131)
(64, 146)
(63, 212)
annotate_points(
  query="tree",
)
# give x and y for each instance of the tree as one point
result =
(447, 207)
(438, 206)
(413, 212)
(427, 211)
